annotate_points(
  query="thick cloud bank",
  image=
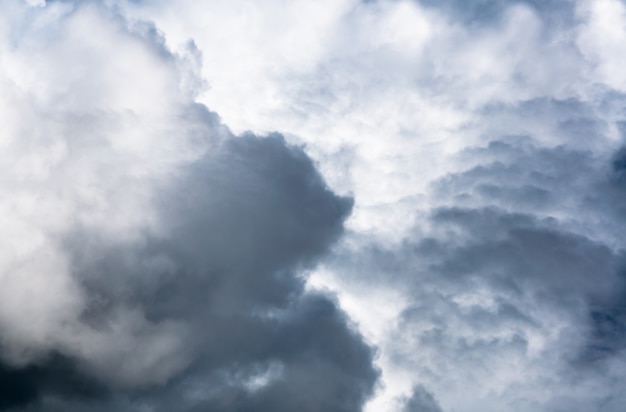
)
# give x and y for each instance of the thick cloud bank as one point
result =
(152, 260)
(468, 253)
(483, 144)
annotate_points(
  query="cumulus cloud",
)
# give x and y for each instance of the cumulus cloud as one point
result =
(482, 255)
(153, 260)
(420, 401)
(508, 306)
(481, 142)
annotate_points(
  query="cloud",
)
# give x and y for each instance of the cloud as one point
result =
(480, 141)
(513, 284)
(420, 401)
(153, 259)
(482, 254)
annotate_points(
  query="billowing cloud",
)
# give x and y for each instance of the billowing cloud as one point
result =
(484, 255)
(153, 260)
(420, 401)
(474, 153)
(509, 303)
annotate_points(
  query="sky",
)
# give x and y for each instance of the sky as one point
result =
(313, 205)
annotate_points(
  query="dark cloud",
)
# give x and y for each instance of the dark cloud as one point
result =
(420, 401)
(241, 224)
(56, 375)
(482, 12)
(163, 259)
(180, 272)
(509, 256)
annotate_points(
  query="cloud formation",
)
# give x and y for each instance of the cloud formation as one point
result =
(481, 143)
(482, 259)
(508, 304)
(152, 260)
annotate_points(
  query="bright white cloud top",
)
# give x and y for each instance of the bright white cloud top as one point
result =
(339, 205)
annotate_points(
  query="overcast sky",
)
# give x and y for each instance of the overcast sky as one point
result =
(313, 205)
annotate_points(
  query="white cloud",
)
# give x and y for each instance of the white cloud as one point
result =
(601, 39)
(476, 139)
(88, 122)
(143, 239)
(390, 98)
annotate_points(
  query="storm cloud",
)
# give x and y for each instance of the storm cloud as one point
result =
(152, 258)
(330, 205)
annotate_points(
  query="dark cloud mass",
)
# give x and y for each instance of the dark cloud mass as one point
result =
(481, 11)
(421, 401)
(240, 223)
(55, 375)
(182, 263)
(226, 270)
(438, 225)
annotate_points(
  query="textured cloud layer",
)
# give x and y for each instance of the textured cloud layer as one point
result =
(152, 260)
(482, 143)
(159, 259)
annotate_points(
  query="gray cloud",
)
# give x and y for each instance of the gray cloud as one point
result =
(156, 260)
(485, 251)
(486, 11)
(515, 283)
(484, 255)
(420, 401)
